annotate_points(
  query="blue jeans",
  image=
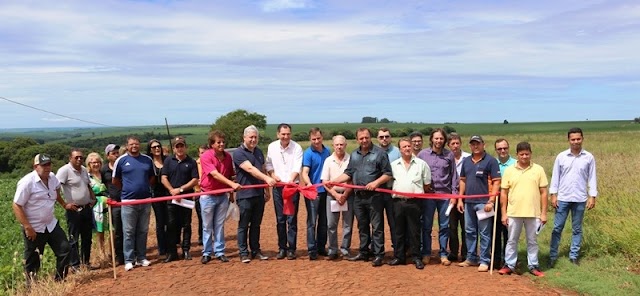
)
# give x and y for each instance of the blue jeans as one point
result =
(317, 216)
(135, 227)
(472, 228)
(429, 207)
(213, 209)
(287, 225)
(251, 211)
(562, 212)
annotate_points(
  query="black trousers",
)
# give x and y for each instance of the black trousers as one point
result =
(199, 215)
(251, 212)
(368, 208)
(457, 219)
(80, 225)
(389, 208)
(179, 222)
(58, 242)
(160, 212)
(502, 236)
(116, 220)
(408, 227)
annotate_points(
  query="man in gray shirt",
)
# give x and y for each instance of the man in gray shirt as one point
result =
(77, 191)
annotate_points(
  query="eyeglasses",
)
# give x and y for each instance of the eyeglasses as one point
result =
(79, 157)
(384, 137)
(500, 149)
(156, 147)
(416, 141)
(94, 162)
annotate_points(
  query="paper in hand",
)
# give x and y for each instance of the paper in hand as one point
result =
(448, 210)
(337, 207)
(189, 204)
(539, 225)
(484, 215)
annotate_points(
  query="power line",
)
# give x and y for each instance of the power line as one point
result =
(54, 113)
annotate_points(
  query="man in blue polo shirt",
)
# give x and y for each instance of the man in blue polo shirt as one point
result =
(474, 180)
(134, 173)
(502, 236)
(312, 162)
(248, 161)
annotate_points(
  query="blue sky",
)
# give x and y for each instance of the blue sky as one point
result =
(301, 61)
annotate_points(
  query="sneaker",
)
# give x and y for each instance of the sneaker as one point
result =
(445, 261)
(260, 256)
(467, 263)
(536, 272)
(505, 270)
(128, 266)
(143, 263)
(483, 268)
(245, 259)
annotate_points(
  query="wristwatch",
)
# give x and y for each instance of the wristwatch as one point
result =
(181, 190)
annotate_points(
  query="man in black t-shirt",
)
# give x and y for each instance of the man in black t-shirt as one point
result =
(112, 152)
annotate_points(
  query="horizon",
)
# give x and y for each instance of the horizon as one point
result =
(129, 63)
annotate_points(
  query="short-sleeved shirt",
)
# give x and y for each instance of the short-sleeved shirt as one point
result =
(510, 162)
(366, 168)
(444, 177)
(107, 178)
(210, 163)
(333, 168)
(38, 201)
(524, 190)
(256, 158)
(393, 152)
(134, 171)
(75, 184)
(411, 179)
(477, 176)
(180, 172)
(314, 159)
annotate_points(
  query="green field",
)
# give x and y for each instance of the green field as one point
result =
(611, 258)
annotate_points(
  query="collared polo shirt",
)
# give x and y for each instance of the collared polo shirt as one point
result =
(524, 190)
(393, 152)
(366, 168)
(572, 175)
(256, 158)
(38, 201)
(459, 162)
(411, 179)
(510, 162)
(314, 159)
(180, 172)
(444, 177)
(333, 167)
(210, 163)
(477, 176)
(284, 161)
(107, 178)
(75, 184)
(135, 172)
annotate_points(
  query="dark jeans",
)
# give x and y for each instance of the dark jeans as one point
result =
(407, 217)
(369, 207)
(58, 242)
(317, 224)
(116, 220)
(456, 219)
(162, 217)
(287, 225)
(389, 208)
(199, 215)
(251, 211)
(179, 222)
(80, 229)
(500, 244)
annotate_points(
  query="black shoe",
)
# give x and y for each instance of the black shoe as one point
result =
(552, 263)
(396, 261)
(186, 255)
(281, 254)
(171, 257)
(223, 258)
(575, 262)
(291, 255)
(313, 256)
(359, 257)
(418, 263)
(378, 261)
(332, 257)
(323, 253)
(205, 259)
(259, 255)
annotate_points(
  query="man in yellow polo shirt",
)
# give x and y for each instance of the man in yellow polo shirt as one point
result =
(523, 201)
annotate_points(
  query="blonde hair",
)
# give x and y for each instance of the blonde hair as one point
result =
(91, 156)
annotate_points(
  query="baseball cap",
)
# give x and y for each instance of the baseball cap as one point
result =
(179, 140)
(476, 138)
(42, 159)
(110, 148)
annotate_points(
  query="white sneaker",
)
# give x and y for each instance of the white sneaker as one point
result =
(128, 266)
(143, 263)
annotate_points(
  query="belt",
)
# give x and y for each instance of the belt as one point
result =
(404, 199)
(364, 193)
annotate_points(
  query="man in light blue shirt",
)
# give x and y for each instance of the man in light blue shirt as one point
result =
(502, 236)
(573, 188)
(385, 142)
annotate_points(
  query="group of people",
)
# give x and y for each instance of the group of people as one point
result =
(462, 188)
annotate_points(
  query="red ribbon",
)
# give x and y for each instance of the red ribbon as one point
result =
(290, 189)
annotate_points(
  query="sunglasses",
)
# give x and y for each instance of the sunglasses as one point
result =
(500, 149)
(384, 137)
(156, 147)
(79, 157)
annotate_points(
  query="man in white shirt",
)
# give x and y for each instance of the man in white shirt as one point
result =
(283, 164)
(456, 218)
(573, 189)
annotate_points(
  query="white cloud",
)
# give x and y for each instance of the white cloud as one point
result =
(279, 5)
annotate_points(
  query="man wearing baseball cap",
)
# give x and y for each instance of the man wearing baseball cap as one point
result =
(111, 153)
(474, 180)
(33, 206)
